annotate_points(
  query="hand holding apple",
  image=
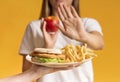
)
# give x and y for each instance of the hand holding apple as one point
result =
(49, 35)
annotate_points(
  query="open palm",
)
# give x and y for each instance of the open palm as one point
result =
(73, 26)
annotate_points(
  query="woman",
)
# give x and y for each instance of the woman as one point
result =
(72, 29)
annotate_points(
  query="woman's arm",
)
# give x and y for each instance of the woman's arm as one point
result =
(94, 40)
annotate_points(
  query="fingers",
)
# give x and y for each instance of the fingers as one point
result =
(42, 22)
(75, 14)
(67, 11)
(67, 68)
(60, 14)
(43, 26)
(64, 12)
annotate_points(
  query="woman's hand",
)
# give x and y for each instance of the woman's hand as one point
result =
(73, 26)
(50, 39)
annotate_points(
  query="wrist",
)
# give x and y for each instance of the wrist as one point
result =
(29, 75)
(36, 72)
(83, 37)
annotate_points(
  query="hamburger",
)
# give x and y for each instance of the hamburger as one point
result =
(43, 55)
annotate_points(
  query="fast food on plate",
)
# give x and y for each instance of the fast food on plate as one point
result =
(69, 53)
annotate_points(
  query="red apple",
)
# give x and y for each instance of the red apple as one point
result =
(51, 22)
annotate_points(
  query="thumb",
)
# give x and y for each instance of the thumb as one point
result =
(60, 28)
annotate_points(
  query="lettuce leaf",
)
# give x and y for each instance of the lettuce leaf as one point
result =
(49, 60)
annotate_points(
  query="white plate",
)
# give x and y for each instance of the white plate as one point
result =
(57, 65)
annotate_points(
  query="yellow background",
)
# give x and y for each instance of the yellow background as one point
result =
(16, 14)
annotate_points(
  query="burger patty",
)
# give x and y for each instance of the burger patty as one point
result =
(61, 56)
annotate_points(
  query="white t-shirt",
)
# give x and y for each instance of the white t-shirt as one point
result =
(33, 38)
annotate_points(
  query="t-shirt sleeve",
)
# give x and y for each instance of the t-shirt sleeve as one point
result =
(93, 25)
(27, 42)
